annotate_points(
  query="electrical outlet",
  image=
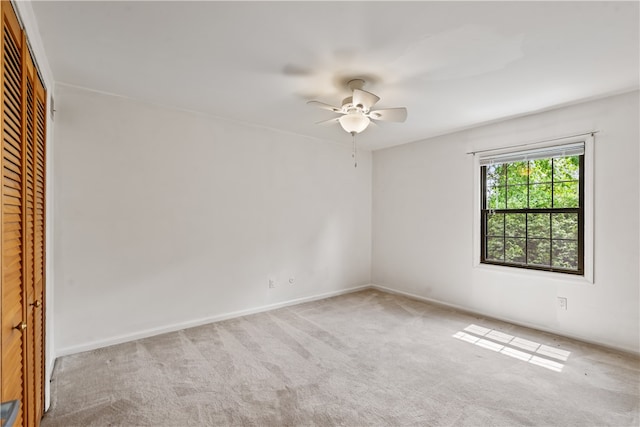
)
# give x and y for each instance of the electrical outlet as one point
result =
(272, 283)
(562, 303)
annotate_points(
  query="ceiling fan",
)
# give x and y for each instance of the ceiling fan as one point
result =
(356, 110)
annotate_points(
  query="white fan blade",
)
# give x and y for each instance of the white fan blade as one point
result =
(389, 114)
(328, 122)
(364, 99)
(324, 106)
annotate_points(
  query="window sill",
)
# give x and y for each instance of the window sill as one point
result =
(547, 275)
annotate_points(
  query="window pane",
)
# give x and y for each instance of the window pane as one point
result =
(565, 254)
(495, 248)
(496, 197)
(538, 251)
(517, 196)
(517, 173)
(540, 196)
(565, 195)
(566, 169)
(495, 225)
(538, 225)
(548, 241)
(515, 250)
(515, 225)
(496, 175)
(564, 225)
(540, 171)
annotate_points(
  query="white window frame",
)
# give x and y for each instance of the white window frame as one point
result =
(589, 174)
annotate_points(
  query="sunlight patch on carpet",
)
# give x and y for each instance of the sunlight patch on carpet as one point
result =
(515, 347)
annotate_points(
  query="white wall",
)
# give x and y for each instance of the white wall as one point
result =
(166, 218)
(423, 216)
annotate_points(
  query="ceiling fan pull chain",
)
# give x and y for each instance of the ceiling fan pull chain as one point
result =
(354, 154)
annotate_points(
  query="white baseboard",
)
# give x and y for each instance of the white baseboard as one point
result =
(225, 316)
(505, 319)
(119, 339)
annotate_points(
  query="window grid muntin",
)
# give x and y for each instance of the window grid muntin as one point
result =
(579, 211)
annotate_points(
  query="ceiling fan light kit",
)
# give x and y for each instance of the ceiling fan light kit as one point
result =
(354, 122)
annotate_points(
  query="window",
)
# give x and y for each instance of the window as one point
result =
(532, 209)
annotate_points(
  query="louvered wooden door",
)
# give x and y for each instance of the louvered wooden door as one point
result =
(13, 301)
(28, 234)
(36, 285)
(22, 224)
(33, 236)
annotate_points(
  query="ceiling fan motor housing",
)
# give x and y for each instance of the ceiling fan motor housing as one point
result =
(347, 102)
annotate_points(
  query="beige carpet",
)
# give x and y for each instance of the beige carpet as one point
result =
(362, 359)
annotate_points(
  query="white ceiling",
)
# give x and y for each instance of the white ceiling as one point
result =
(452, 64)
